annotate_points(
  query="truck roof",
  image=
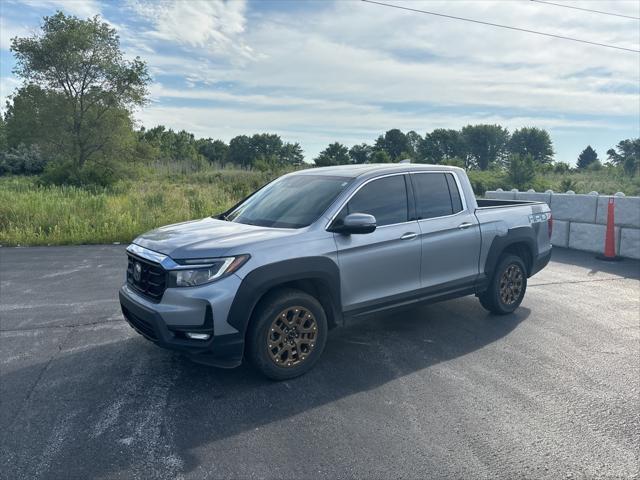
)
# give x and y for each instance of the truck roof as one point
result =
(373, 168)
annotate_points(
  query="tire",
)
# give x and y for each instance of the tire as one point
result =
(507, 287)
(294, 325)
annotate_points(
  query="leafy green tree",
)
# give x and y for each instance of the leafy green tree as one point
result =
(215, 151)
(361, 153)
(441, 145)
(33, 117)
(532, 141)
(265, 145)
(414, 139)
(587, 157)
(394, 142)
(291, 154)
(240, 151)
(627, 154)
(521, 171)
(79, 66)
(334, 154)
(380, 156)
(486, 145)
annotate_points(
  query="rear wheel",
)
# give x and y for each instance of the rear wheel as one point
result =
(288, 334)
(507, 287)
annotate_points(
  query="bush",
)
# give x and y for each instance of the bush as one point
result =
(24, 160)
(94, 173)
(521, 171)
(568, 184)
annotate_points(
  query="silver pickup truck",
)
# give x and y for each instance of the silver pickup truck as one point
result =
(268, 278)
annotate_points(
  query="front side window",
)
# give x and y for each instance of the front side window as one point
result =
(385, 199)
(290, 202)
(436, 195)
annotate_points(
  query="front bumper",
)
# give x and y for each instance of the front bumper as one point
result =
(147, 319)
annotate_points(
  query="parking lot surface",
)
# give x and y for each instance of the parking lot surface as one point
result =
(438, 391)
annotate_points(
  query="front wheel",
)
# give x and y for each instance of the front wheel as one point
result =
(287, 335)
(507, 287)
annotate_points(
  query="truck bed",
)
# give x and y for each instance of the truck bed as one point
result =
(495, 203)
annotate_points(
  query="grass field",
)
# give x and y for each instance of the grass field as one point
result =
(39, 215)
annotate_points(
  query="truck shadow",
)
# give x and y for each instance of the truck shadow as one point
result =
(129, 407)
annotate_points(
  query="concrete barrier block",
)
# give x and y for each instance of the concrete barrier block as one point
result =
(627, 211)
(574, 208)
(534, 197)
(590, 237)
(500, 195)
(630, 242)
(560, 234)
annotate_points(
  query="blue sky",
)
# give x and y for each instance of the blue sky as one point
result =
(322, 71)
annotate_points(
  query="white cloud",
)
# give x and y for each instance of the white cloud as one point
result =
(80, 8)
(216, 26)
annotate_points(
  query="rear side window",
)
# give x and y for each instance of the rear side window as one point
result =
(456, 201)
(385, 199)
(436, 195)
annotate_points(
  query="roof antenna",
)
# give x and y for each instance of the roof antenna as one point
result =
(406, 160)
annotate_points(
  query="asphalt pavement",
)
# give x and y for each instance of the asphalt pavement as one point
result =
(439, 391)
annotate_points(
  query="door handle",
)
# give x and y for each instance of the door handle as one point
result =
(464, 225)
(408, 236)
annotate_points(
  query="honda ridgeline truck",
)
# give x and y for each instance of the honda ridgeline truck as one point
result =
(268, 278)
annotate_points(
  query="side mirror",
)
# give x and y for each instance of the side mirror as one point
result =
(355, 223)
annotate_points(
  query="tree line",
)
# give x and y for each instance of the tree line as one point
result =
(71, 121)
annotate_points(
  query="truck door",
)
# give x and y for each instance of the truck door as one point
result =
(377, 266)
(449, 231)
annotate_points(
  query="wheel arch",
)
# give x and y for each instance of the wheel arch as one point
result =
(317, 276)
(518, 241)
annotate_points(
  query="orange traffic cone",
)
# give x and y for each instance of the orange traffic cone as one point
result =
(610, 235)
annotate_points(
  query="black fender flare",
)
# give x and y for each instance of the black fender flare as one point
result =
(258, 282)
(526, 235)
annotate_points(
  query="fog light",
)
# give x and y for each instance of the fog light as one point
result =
(197, 336)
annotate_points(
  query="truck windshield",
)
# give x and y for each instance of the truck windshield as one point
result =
(290, 202)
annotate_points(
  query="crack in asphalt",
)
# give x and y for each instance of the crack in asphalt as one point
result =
(46, 327)
(531, 285)
(46, 366)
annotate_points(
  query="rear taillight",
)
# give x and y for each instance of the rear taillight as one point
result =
(550, 224)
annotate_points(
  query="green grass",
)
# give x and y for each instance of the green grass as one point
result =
(38, 215)
(31, 214)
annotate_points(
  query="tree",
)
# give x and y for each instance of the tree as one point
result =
(521, 171)
(441, 145)
(79, 64)
(292, 154)
(532, 141)
(414, 141)
(361, 153)
(380, 156)
(334, 154)
(394, 142)
(587, 157)
(486, 145)
(627, 154)
(240, 151)
(265, 145)
(215, 151)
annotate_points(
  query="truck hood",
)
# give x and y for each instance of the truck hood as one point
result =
(208, 237)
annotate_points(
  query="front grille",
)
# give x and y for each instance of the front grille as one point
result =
(144, 327)
(152, 280)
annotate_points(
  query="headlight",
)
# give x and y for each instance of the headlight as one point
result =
(205, 270)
